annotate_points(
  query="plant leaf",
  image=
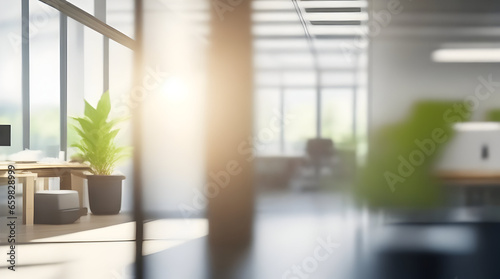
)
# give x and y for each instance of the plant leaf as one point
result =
(104, 105)
(97, 137)
(90, 111)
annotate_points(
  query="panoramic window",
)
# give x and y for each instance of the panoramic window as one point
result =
(310, 66)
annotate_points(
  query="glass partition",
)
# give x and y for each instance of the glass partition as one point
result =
(10, 74)
(44, 79)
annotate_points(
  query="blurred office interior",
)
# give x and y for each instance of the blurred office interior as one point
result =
(271, 138)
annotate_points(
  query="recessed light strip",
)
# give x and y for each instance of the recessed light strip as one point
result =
(466, 55)
(286, 5)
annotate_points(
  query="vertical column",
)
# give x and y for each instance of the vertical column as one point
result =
(100, 8)
(317, 72)
(137, 141)
(75, 71)
(282, 114)
(229, 126)
(63, 82)
(26, 72)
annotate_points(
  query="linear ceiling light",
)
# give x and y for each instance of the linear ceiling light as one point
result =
(292, 16)
(285, 5)
(466, 55)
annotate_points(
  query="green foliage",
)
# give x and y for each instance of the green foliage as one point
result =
(97, 137)
(390, 178)
(493, 115)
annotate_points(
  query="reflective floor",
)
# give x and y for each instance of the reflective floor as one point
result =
(93, 247)
(296, 235)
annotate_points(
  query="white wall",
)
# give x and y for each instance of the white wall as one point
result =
(402, 73)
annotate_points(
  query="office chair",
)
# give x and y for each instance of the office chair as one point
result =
(320, 153)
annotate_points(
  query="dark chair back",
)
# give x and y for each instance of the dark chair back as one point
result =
(319, 148)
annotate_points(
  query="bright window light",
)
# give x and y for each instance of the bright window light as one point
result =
(175, 90)
(467, 55)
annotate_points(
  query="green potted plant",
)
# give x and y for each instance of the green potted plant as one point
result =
(97, 147)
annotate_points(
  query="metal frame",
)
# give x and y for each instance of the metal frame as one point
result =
(63, 83)
(96, 23)
(137, 140)
(100, 13)
(91, 21)
(317, 71)
(25, 12)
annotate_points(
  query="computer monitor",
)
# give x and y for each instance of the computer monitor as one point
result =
(4, 135)
(475, 147)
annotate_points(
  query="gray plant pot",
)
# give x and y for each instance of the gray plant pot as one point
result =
(105, 194)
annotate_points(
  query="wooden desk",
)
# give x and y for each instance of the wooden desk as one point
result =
(470, 178)
(71, 178)
(471, 188)
(28, 193)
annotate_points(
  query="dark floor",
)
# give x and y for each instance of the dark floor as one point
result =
(312, 233)
(297, 234)
(323, 235)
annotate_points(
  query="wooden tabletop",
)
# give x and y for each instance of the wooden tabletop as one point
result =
(36, 166)
(470, 177)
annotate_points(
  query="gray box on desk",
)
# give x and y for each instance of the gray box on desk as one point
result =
(56, 207)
